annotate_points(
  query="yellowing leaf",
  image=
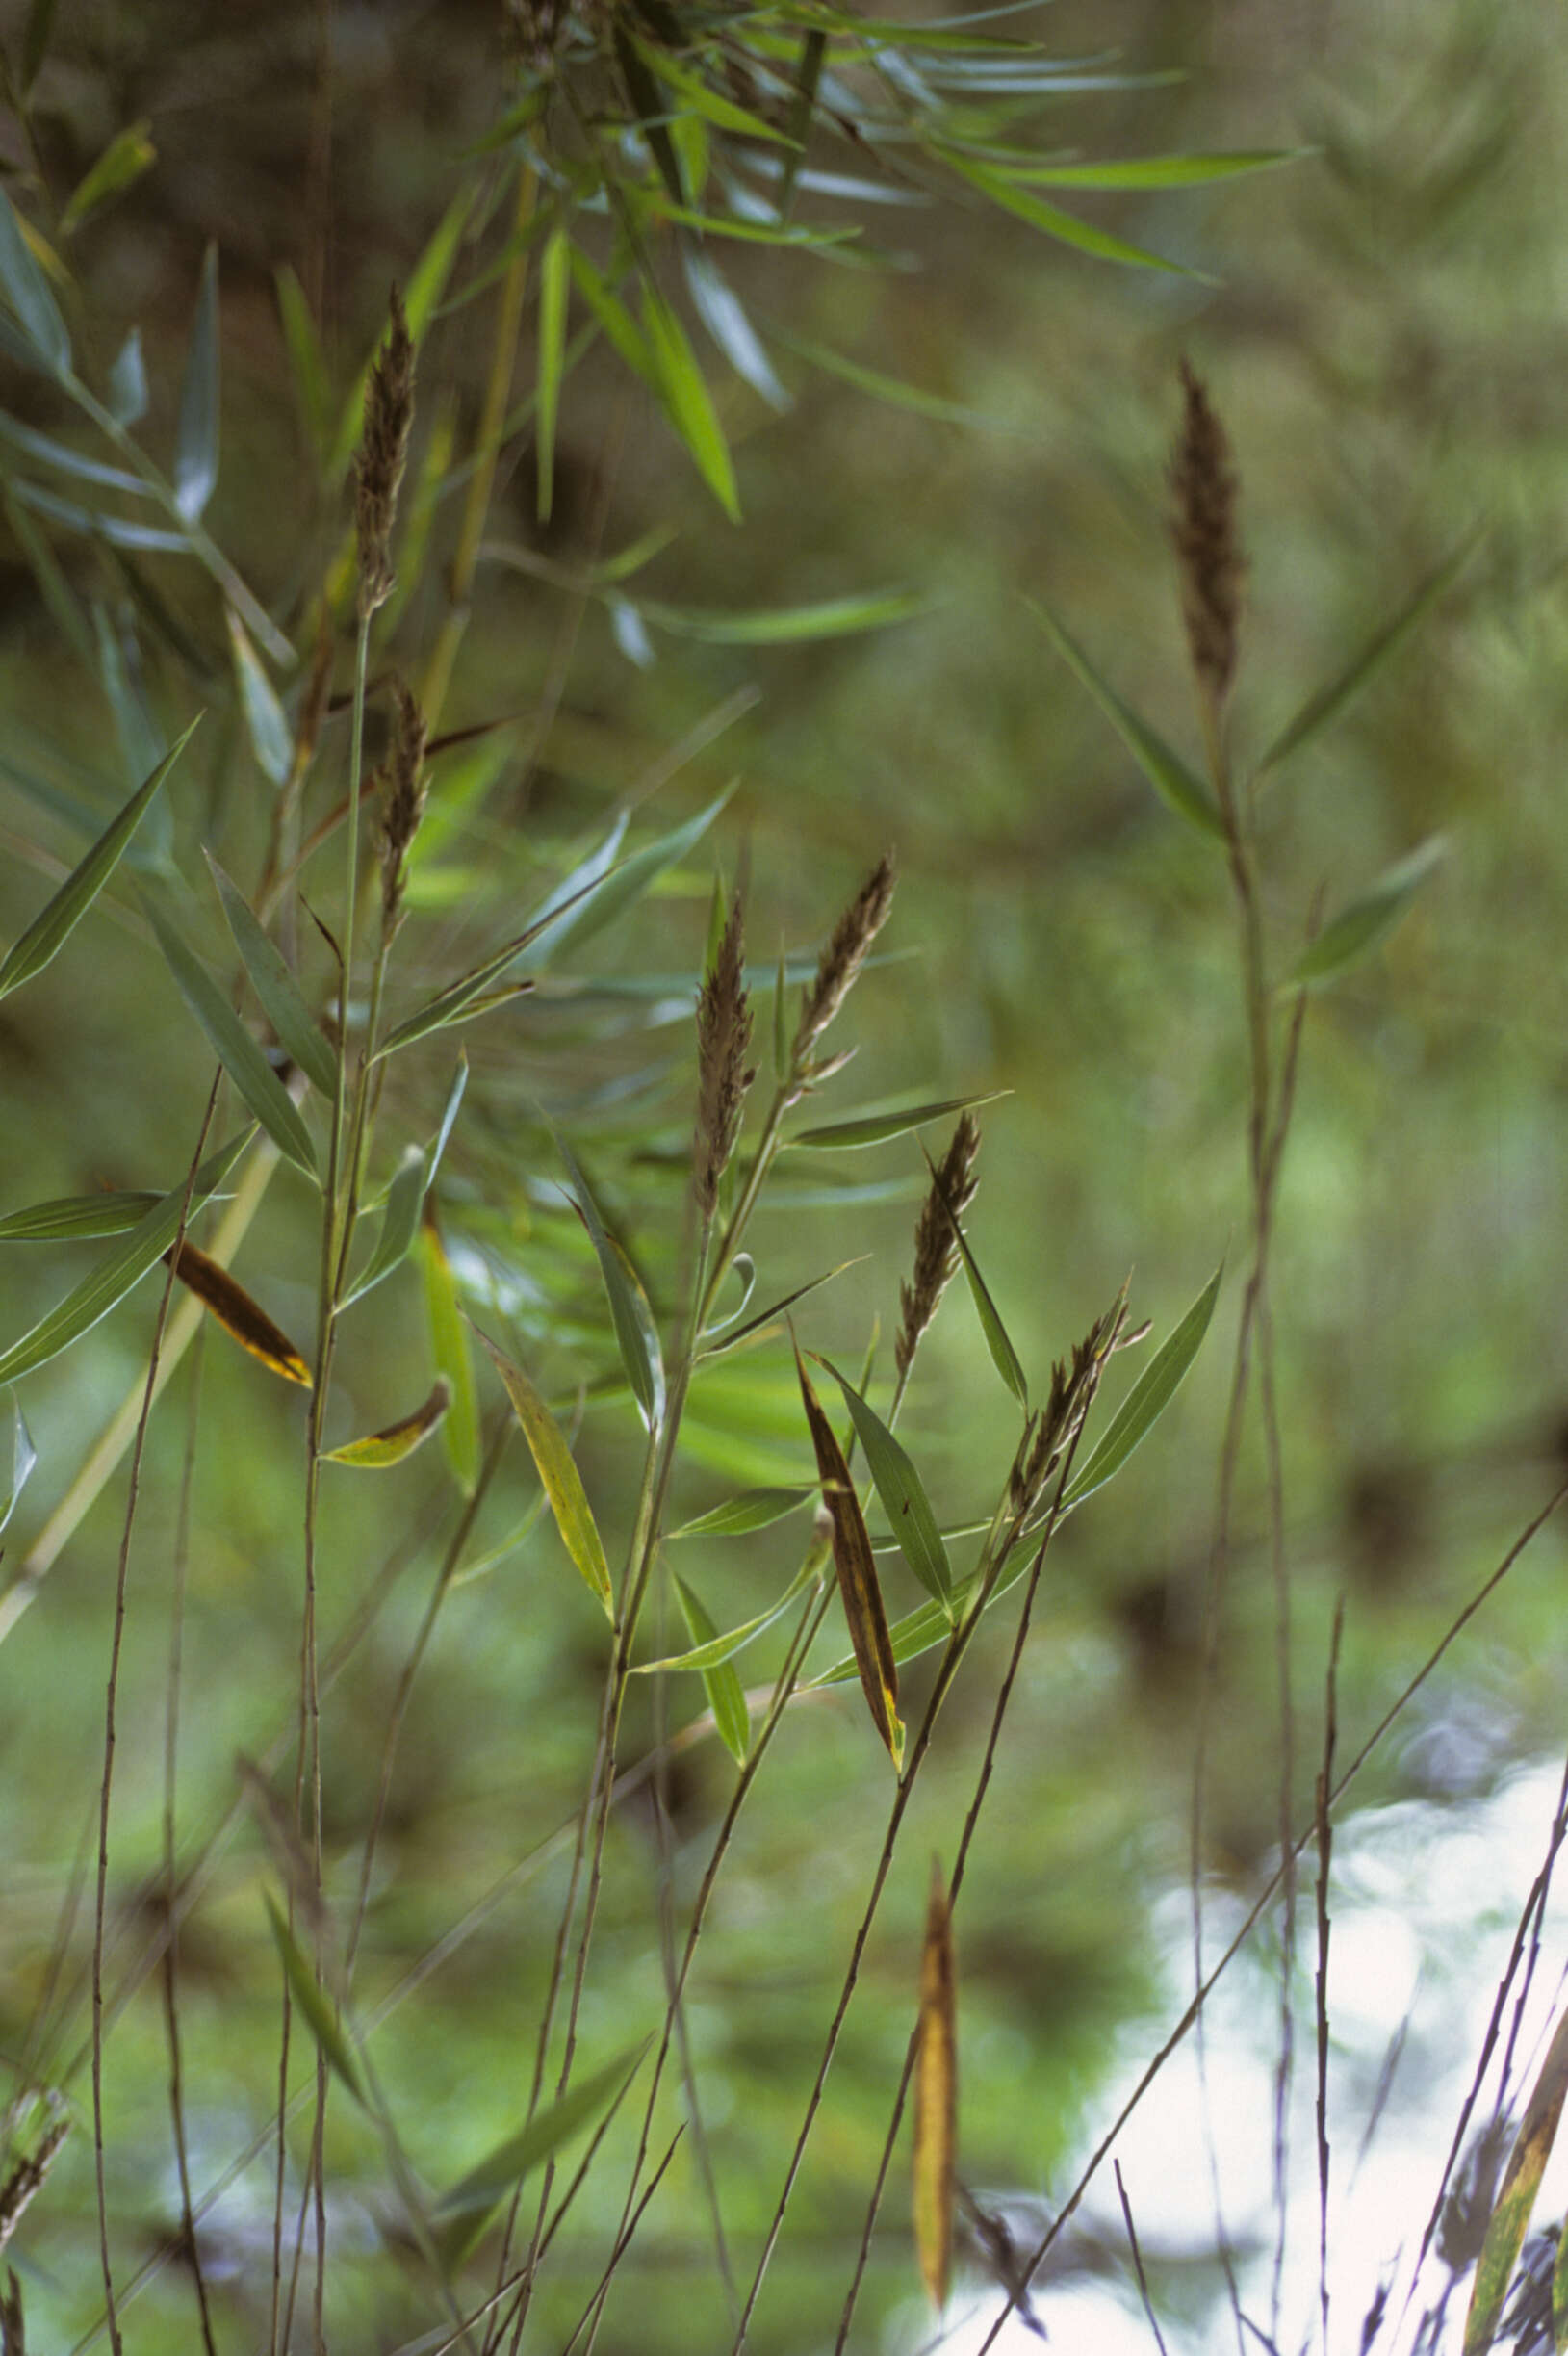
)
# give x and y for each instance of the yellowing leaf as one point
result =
(856, 1575)
(237, 1313)
(562, 1482)
(395, 1440)
(1521, 2181)
(936, 2098)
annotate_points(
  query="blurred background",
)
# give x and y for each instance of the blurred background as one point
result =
(1379, 324)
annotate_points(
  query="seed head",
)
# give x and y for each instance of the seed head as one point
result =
(724, 1032)
(402, 804)
(378, 467)
(936, 1249)
(1208, 552)
(841, 961)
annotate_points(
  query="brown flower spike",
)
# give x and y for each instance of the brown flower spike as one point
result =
(402, 805)
(1208, 552)
(724, 1032)
(936, 1253)
(383, 449)
(841, 961)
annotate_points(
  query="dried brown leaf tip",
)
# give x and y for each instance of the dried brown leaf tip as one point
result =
(839, 963)
(724, 1033)
(1208, 550)
(402, 805)
(935, 1253)
(378, 467)
(26, 2175)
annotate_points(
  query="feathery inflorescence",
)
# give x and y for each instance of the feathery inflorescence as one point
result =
(936, 1248)
(1208, 550)
(402, 804)
(383, 451)
(724, 1032)
(841, 961)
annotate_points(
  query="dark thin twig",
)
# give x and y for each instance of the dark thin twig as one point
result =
(1138, 2261)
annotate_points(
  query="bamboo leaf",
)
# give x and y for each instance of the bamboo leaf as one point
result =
(235, 1050)
(559, 1477)
(454, 1356)
(306, 365)
(27, 291)
(196, 439)
(462, 2214)
(722, 312)
(271, 740)
(1329, 700)
(831, 617)
(801, 104)
(427, 285)
(311, 1999)
(1367, 921)
(768, 1319)
(23, 1457)
(128, 155)
(140, 745)
(635, 1334)
(600, 902)
(1148, 1398)
(48, 932)
(857, 1571)
(720, 1648)
(405, 1197)
(877, 1128)
(297, 1027)
(70, 1217)
(1003, 1357)
(687, 401)
(753, 1508)
(936, 2098)
(902, 1496)
(1516, 2198)
(1064, 227)
(128, 395)
(725, 1697)
(1160, 172)
(228, 1300)
(1175, 783)
(395, 1440)
(620, 328)
(555, 270)
(116, 1274)
(650, 110)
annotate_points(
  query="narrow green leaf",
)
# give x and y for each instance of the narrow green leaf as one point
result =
(312, 2001)
(297, 1027)
(891, 391)
(725, 1696)
(698, 96)
(1157, 171)
(635, 1334)
(41, 25)
(141, 746)
(271, 740)
(902, 1494)
(555, 278)
(616, 321)
(50, 929)
(128, 155)
(114, 1275)
(67, 1218)
(1367, 919)
(602, 901)
(1330, 700)
(1064, 227)
(650, 110)
(1175, 783)
(755, 1509)
(55, 589)
(462, 2213)
(427, 285)
(405, 1199)
(196, 438)
(70, 461)
(27, 291)
(1003, 1357)
(831, 617)
(722, 314)
(379, 1450)
(23, 1457)
(687, 401)
(453, 1357)
(802, 105)
(720, 1648)
(1516, 2197)
(235, 1050)
(559, 1476)
(876, 1128)
(734, 1336)
(1148, 1398)
(128, 395)
(306, 365)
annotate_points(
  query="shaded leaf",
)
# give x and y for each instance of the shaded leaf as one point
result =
(753, 1508)
(28, 295)
(801, 104)
(725, 1697)
(297, 1027)
(127, 156)
(635, 1334)
(116, 1274)
(311, 2001)
(1516, 2197)
(890, 390)
(41, 25)
(767, 1319)
(1003, 1357)
(196, 438)
(720, 309)
(453, 1357)
(70, 1217)
(559, 1476)
(1368, 919)
(271, 740)
(306, 365)
(237, 1313)
(405, 1199)
(936, 2098)
(395, 1440)
(462, 2213)
(23, 1457)
(650, 110)
(54, 925)
(709, 1654)
(857, 1571)
(235, 1050)
(1148, 1398)
(876, 1128)
(554, 278)
(831, 617)
(427, 285)
(902, 1496)
(602, 901)
(1176, 785)
(128, 395)
(141, 746)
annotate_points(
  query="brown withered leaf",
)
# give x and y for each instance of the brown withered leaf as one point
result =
(857, 1569)
(237, 1313)
(936, 2098)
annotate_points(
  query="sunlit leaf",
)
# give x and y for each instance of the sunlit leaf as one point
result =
(902, 1494)
(1148, 1398)
(876, 1128)
(1064, 227)
(725, 1696)
(1158, 172)
(1516, 2196)
(28, 293)
(635, 1334)
(755, 1509)
(23, 1457)
(313, 2002)
(1175, 783)
(128, 155)
(196, 439)
(54, 925)
(454, 1356)
(378, 1450)
(724, 1647)
(1368, 919)
(554, 272)
(237, 1313)
(68, 1218)
(936, 2098)
(857, 1583)
(235, 1049)
(831, 617)
(559, 1477)
(271, 740)
(114, 1275)
(297, 1027)
(687, 401)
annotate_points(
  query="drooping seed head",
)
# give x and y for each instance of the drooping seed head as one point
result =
(841, 961)
(1208, 549)
(383, 451)
(403, 803)
(724, 1032)
(936, 1250)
